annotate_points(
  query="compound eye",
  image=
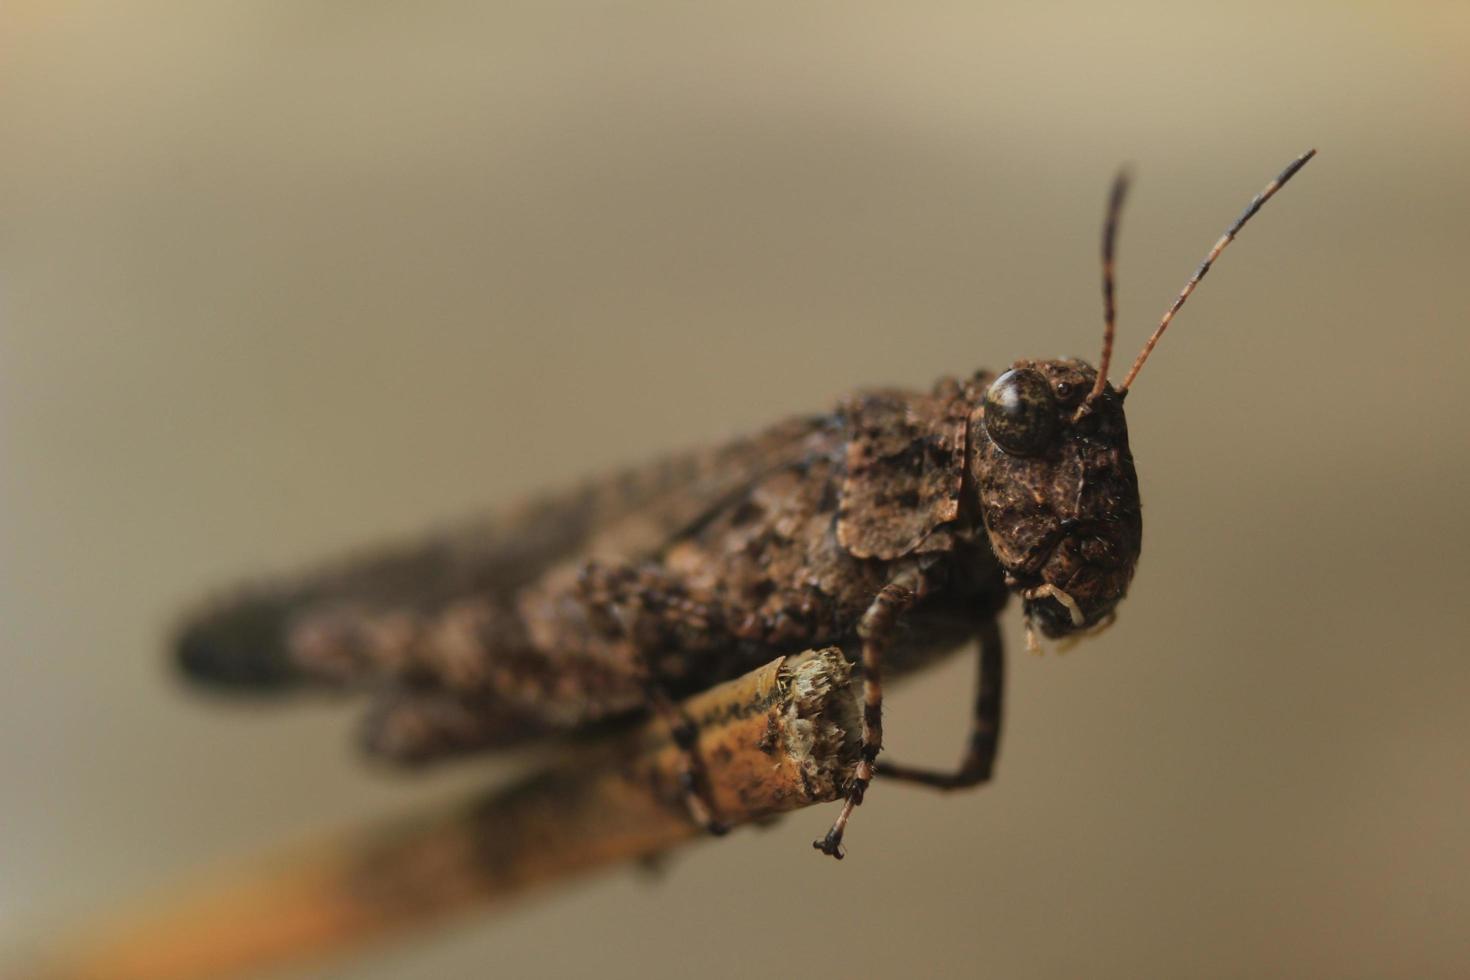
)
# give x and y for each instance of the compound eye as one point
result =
(1020, 413)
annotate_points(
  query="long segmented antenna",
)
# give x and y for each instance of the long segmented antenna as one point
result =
(1110, 311)
(1204, 267)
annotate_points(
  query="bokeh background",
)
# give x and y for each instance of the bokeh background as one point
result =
(281, 278)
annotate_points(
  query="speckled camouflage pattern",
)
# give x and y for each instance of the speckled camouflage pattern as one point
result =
(696, 569)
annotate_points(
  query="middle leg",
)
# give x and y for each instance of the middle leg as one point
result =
(979, 760)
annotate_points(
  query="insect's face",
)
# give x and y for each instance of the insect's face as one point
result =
(1057, 491)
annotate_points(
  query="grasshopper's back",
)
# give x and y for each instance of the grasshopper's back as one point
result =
(693, 569)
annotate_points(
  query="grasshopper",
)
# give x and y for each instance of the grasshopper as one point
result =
(895, 526)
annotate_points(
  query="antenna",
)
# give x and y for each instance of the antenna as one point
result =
(1204, 267)
(1110, 311)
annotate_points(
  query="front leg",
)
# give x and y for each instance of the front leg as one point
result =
(979, 760)
(875, 630)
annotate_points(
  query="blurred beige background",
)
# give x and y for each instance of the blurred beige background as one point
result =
(281, 278)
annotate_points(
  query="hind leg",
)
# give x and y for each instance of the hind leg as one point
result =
(415, 725)
(455, 646)
(647, 625)
(587, 643)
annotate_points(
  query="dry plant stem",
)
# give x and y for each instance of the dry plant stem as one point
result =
(780, 738)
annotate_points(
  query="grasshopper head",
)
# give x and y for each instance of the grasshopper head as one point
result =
(1048, 456)
(1058, 493)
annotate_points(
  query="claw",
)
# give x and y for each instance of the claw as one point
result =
(830, 845)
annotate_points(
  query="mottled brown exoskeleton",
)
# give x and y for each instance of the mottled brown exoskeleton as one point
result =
(895, 526)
